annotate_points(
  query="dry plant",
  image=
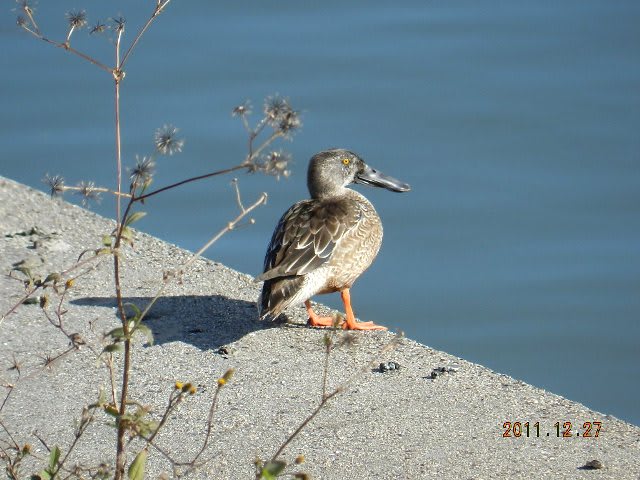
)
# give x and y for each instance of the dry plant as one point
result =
(130, 418)
(276, 466)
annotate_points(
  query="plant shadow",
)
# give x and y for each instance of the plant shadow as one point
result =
(206, 322)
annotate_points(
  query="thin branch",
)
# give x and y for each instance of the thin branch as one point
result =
(10, 387)
(343, 387)
(117, 75)
(112, 377)
(305, 423)
(29, 12)
(4, 427)
(84, 424)
(120, 443)
(157, 11)
(44, 444)
(173, 402)
(234, 182)
(254, 153)
(252, 136)
(163, 452)
(33, 290)
(68, 48)
(214, 401)
(230, 226)
(95, 189)
(189, 180)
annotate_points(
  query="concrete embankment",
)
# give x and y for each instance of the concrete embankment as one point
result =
(437, 416)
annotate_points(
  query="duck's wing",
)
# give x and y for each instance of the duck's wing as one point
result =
(306, 235)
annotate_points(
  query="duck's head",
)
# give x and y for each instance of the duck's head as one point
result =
(330, 171)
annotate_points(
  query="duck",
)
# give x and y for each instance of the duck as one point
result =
(323, 244)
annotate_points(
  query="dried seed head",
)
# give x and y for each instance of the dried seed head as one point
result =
(77, 19)
(21, 21)
(242, 110)
(289, 123)
(55, 183)
(166, 141)
(274, 163)
(88, 191)
(118, 24)
(281, 116)
(26, 6)
(99, 27)
(143, 171)
(275, 108)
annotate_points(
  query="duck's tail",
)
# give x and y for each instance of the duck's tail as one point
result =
(277, 294)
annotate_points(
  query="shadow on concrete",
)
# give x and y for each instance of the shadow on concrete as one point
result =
(206, 322)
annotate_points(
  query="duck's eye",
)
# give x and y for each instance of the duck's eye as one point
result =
(346, 161)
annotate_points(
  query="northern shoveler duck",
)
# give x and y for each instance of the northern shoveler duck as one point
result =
(323, 244)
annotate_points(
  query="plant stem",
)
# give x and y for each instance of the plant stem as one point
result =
(305, 423)
(158, 10)
(121, 457)
(188, 180)
(117, 75)
(68, 48)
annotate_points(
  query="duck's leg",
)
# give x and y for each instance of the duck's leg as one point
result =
(316, 320)
(351, 323)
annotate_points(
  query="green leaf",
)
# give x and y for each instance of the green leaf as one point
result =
(272, 469)
(106, 240)
(52, 277)
(114, 347)
(136, 312)
(134, 217)
(54, 456)
(136, 469)
(146, 331)
(24, 270)
(116, 333)
(127, 235)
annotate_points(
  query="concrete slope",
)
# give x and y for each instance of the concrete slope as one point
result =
(438, 416)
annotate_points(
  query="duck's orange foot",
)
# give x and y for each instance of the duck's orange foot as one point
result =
(351, 323)
(316, 320)
(362, 326)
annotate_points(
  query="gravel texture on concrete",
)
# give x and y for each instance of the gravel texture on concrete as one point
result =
(436, 416)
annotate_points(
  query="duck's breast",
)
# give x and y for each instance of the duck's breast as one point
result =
(358, 248)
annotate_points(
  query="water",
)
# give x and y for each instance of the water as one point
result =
(515, 122)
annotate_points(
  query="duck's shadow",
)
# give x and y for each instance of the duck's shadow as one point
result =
(206, 322)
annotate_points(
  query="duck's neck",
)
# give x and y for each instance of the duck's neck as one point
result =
(322, 190)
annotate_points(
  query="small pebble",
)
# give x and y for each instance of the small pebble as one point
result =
(442, 370)
(388, 367)
(593, 465)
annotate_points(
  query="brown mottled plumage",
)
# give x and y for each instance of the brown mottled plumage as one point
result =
(323, 244)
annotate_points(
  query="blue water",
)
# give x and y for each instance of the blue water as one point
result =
(516, 124)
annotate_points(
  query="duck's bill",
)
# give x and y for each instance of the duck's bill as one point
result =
(371, 176)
